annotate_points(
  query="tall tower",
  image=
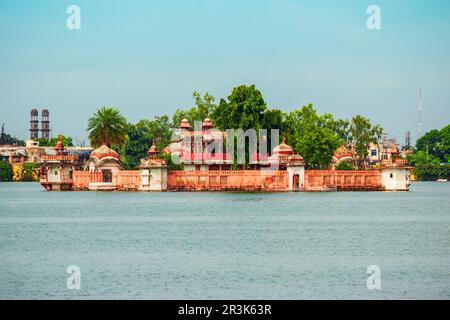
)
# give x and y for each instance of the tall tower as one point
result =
(45, 125)
(34, 125)
(408, 140)
(419, 126)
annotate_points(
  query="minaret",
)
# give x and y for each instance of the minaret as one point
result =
(34, 125)
(45, 125)
(419, 126)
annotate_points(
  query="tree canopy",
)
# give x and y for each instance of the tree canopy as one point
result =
(7, 139)
(311, 135)
(436, 143)
(244, 109)
(421, 157)
(107, 126)
(140, 137)
(362, 133)
(203, 108)
(67, 142)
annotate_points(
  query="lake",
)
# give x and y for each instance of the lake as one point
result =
(225, 245)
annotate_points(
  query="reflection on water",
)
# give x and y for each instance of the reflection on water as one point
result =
(224, 245)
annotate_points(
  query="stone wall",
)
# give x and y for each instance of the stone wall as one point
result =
(223, 180)
(246, 180)
(81, 179)
(127, 180)
(123, 180)
(328, 180)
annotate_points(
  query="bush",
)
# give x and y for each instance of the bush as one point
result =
(170, 164)
(17, 170)
(5, 171)
(25, 172)
(30, 172)
(432, 172)
(342, 165)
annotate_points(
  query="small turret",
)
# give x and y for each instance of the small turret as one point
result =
(153, 172)
(184, 125)
(59, 148)
(207, 124)
(153, 152)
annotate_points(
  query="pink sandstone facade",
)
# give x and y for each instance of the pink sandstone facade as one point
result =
(346, 180)
(228, 180)
(125, 180)
(280, 172)
(242, 180)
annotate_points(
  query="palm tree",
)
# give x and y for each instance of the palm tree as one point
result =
(107, 126)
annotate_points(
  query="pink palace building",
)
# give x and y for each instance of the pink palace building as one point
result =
(207, 168)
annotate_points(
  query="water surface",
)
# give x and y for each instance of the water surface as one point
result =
(224, 245)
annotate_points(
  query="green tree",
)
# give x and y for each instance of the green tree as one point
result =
(6, 139)
(202, 109)
(141, 136)
(430, 143)
(445, 143)
(342, 165)
(311, 135)
(245, 109)
(436, 143)
(107, 126)
(432, 172)
(342, 129)
(67, 142)
(421, 158)
(5, 171)
(273, 119)
(362, 133)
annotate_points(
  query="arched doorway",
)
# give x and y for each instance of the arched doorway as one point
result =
(296, 182)
(107, 175)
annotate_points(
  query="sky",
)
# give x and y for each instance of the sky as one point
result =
(147, 57)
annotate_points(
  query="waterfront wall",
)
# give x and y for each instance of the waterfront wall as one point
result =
(81, 179)
(246, 180)
(127, 180)
(123, 180)
(324, 180)
(216, 180)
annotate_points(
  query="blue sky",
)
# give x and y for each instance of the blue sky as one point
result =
(147, 57)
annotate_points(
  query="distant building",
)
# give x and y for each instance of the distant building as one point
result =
(57, 169)
(34, 125)
(13, 155)
(33, 153)
(382, 150)
(374, 153)
(195, 149)
(45, 125)
(344, 153)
